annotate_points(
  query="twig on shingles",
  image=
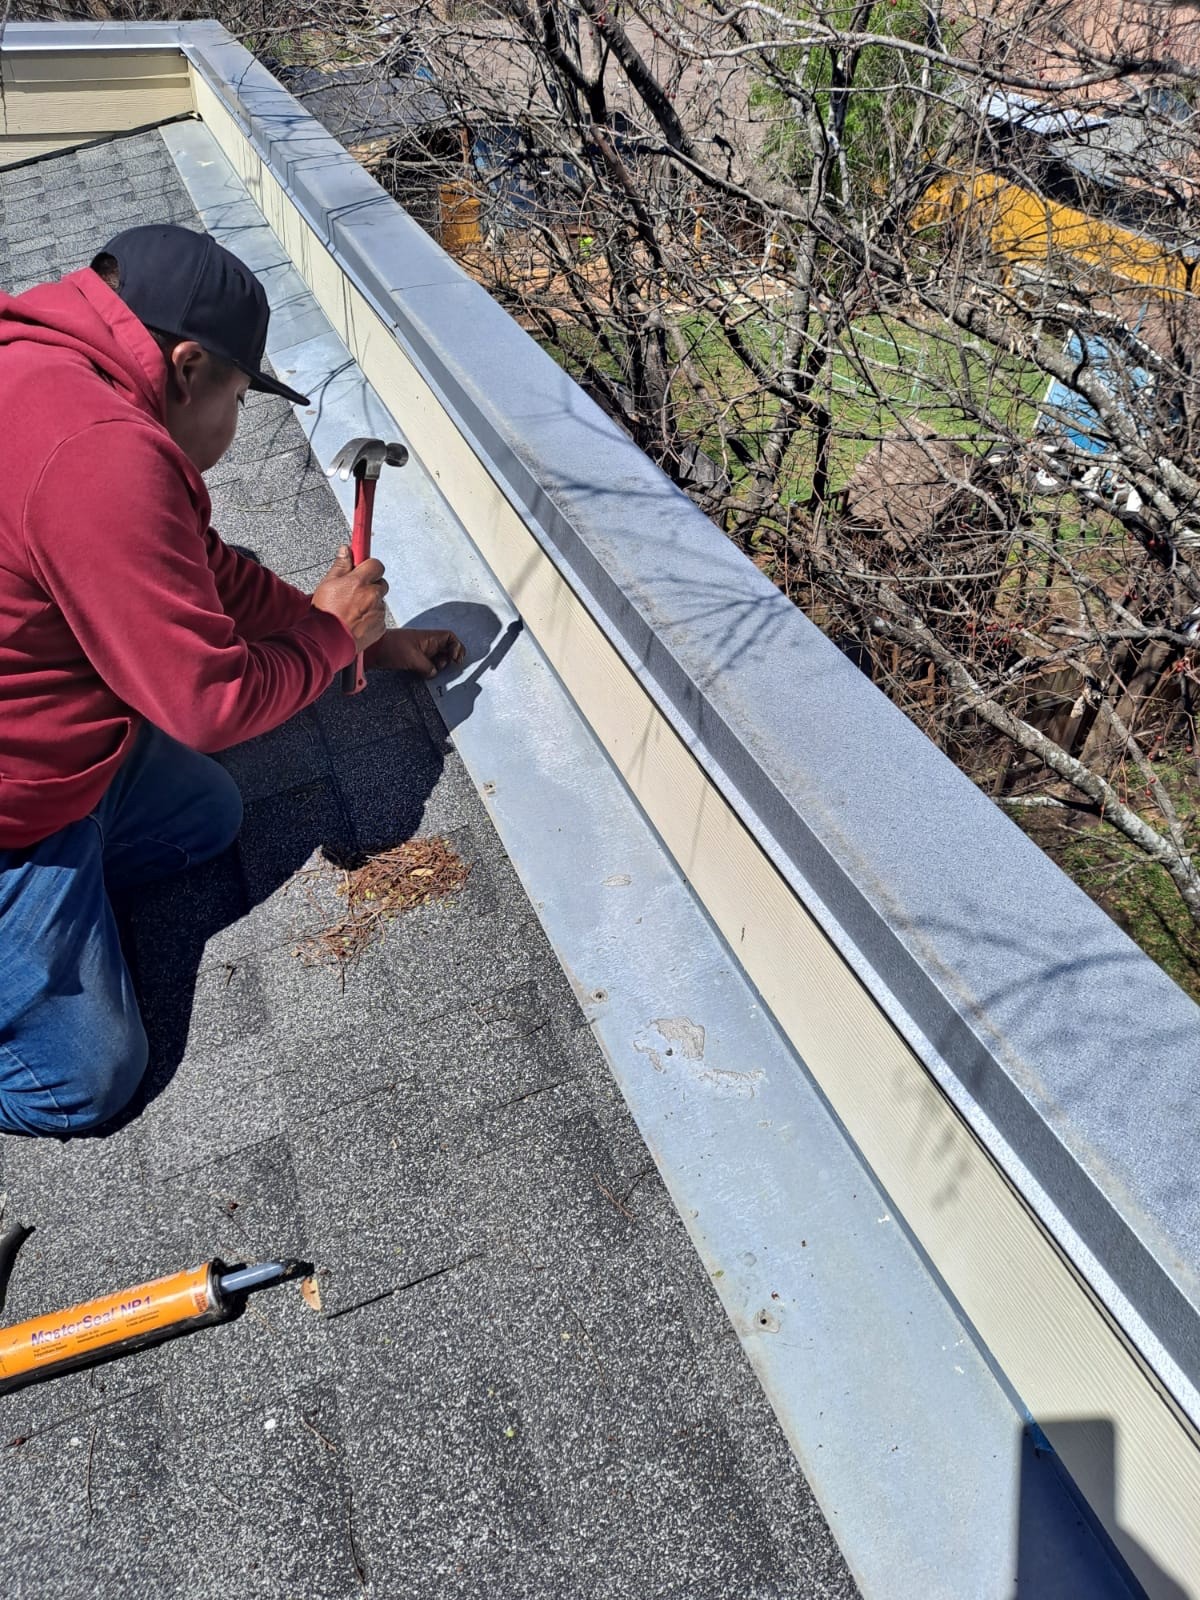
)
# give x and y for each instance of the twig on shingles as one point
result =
(228, 1499)
(399, 1288)
(588, 1340)
(612, 1199)
(359, 1565)
(91, 1453)
(377, 889)
(316, 1433)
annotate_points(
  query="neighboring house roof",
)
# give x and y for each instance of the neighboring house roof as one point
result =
(906, 484)
(1046, 118)
(357, 103)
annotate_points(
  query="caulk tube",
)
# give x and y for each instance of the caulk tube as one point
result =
(111, 1325)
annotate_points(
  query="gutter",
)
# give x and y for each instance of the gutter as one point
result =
(1006, 980)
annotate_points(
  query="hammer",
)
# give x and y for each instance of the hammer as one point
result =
(365, 458)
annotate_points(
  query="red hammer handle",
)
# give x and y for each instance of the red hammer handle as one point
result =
(354, 677)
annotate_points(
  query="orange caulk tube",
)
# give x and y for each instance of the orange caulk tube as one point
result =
(116, 1323)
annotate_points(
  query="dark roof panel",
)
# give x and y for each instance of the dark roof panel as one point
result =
(357, 104)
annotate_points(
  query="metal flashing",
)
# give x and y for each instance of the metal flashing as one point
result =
(62, 38)
(1002, 975)
(797, 1240)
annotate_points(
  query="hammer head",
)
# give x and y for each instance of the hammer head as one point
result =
(366, 458)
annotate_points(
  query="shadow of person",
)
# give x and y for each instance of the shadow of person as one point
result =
(366, 769)
(320, 792)
(486, 645)
(1103, 1559)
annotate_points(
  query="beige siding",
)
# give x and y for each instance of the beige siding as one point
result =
(60, 99)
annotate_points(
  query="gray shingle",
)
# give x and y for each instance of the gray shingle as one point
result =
(385, 706)
(193, 1009)
(294, 532)
(379, 1196)
(37, 244)
(203, 900)
(268, 1495)
(439, 966)
(224, 1101)
(47, 1182)
(250, 480)
(84, 1503)
(307, 1005)
(281, 831)
(444, 1477)
(308, 577)
(403, 785)
(292, 755)
(316, 1075)
(290, 918)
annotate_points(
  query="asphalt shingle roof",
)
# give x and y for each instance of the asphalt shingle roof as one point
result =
(521, 1383)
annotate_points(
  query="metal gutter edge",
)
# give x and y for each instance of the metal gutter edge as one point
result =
(932, 1485)
(114, 38)
(926, 890)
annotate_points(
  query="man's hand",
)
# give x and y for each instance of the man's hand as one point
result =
(354, 595)
(422, 650)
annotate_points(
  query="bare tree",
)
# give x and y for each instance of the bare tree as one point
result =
(901, 292)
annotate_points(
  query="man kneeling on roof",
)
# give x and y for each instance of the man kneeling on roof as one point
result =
(132, 639)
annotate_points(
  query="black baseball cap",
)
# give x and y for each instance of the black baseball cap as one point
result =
(182, 282)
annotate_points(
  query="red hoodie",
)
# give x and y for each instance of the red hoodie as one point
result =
(118, 601)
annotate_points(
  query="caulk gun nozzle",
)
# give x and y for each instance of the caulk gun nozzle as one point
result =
(243, 1278)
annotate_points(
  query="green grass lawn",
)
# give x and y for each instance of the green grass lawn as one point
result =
(880, 373)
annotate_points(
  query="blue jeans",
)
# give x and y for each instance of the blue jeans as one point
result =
(72, 1045)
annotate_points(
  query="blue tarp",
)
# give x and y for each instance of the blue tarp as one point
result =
(1074, 415)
